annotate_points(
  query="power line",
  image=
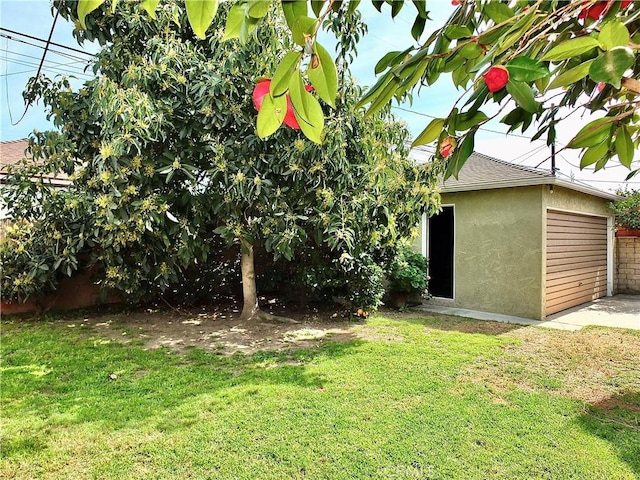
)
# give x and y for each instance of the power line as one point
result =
(20, 54)
(42, 40)
(44, 54)
(15, 73)
(57, 52)
(481, 128)
(69, 71)
(62, 67)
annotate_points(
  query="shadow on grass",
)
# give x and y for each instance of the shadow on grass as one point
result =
(617, 420)
(451, 323)
(52, 378)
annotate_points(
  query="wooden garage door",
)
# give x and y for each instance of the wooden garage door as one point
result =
(576, 260)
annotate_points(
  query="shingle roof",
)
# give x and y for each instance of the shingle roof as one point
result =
(13, 151)
(481, 172)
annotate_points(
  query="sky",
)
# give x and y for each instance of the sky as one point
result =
(20, 56)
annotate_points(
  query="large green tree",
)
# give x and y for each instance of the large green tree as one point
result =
(554, 59)
(163, 144)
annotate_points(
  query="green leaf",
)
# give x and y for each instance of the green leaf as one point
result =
(498, 12)
(594, 154)
(624, 146)
(454, 32)
(460, 155)
(384, 96)
(307, 110)
(246, 29)
(613, 34)
(470, 50)
(395, 8)
(390, 58)
(316, 7)
(353, 6)
(592, 134)
(258, 8)
(200, 14)
(430, 133)
(171, 217)
(282, 75)
(572, 75)
(323, 74)
(295, 14)
(522, 94)
(235, 19)
(374, 91)
(465, 121)
(150, 6)
(85, 7)
(418, 27)
(421, 6)
(524, 69)
(271, 115)
(571, 48)
(610, 66)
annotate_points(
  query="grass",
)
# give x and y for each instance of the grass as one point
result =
(405, 398)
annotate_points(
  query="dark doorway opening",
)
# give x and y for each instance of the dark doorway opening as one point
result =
(440, 253)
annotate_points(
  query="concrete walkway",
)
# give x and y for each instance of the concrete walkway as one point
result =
(619, 311)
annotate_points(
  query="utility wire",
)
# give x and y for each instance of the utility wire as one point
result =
(59, 67)
(57, 52)
(68, 71)
(44, 54)
(20, 54)
(48, 42)
(481, 128)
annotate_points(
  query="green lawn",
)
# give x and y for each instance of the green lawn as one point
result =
(405, 398)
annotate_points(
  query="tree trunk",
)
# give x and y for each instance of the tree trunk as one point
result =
(250, 305)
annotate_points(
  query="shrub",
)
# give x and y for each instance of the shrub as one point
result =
(408, 272)
(628, 210)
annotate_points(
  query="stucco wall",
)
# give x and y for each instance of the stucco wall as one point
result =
(498, 251)
(628, 265)
(569, 200)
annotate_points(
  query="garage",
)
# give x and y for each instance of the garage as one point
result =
(576, 265)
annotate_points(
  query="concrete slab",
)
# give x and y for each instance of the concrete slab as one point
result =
(619, 311)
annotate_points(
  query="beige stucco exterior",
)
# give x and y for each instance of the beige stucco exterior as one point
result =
(499, 245)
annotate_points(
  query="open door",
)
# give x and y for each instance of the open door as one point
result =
(440, 252)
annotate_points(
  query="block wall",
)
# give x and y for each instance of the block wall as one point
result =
(627, 265)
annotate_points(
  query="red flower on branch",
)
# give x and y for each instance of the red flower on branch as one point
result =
(496, 78)
(262, 88)
(595, 11)
(447, 146)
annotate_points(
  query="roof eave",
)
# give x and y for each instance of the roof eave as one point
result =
(530, 183)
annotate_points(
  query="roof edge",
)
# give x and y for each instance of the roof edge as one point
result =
(531, 183)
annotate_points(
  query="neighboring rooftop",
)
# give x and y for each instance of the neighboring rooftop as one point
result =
(14, 151)
(481, 172)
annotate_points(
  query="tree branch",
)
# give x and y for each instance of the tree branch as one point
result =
(631, 84)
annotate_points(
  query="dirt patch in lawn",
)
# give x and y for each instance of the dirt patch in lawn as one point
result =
(221, 330)
(591, 365)
(594, 365)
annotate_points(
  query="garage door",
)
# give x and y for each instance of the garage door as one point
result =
(576, 260)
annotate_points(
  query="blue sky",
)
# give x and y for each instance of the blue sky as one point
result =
(19, 60)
